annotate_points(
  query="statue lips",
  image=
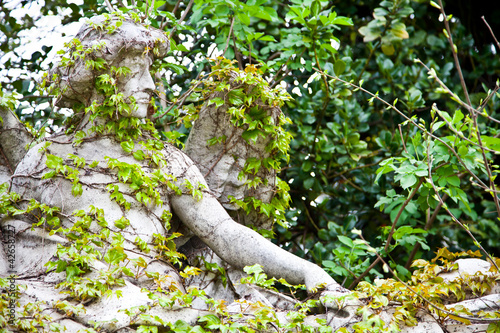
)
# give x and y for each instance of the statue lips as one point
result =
(142, 98)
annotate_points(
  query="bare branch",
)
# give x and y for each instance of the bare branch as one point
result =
(110, 6)
(469, 108)
(389, 237)
(237, 54)
(492, 34)
(423, 129)
(176, 7)
(429, 165)
(454, 52)
(402, 138)
(183, 17)
(228, 36)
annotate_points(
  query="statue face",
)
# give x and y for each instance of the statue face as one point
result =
(138, 83)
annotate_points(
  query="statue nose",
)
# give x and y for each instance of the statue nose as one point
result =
(147, 83)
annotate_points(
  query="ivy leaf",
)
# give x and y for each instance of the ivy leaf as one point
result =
(122, 223)
(72, 271)
(252, 135)
(139, 155)
(49, 174)
(115, 256)
(212, 321)
(53, 161)
(76, 189)
(255, 269)
(178, 69)
(128, 146)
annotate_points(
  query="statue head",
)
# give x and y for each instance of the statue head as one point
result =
(105, 42)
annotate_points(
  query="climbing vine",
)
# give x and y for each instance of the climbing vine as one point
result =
(247, 96)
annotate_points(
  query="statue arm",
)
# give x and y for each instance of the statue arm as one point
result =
(241, 246)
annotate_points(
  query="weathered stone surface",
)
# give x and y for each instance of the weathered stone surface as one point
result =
(231, 245)
(13, 141)
(469, 266)
(222, 163)
(234, 243)
(472, 328)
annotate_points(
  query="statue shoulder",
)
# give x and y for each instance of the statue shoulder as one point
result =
(182, 167)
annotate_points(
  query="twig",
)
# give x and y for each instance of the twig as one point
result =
(427, 226)
(274, 56)
(276, 81)
(224, 151)
(491, 31)
(429, 164)
(402, 138)
(273, 80)
(237, 54)
(355, 168)
(423, 129)
(473, 115)
(309, 216)
(185, 95)
(459, 134)
(176, 7)
(407, 201)
(228, 37)
(347, 269)
(249, 53)
(454, 52)
(457, 99)
(183, 17)
(183, 99)
(389, 237)
(372, 52)
(146, 15)
(7, 162)
(352, 184)
(110, 7)
(485, 101)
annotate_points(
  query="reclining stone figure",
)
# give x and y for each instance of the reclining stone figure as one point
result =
(127, 184)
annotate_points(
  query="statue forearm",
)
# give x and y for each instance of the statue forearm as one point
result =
(241, 246)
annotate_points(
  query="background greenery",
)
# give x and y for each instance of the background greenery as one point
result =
(356, 163)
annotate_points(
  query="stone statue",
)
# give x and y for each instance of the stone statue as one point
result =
(106, 203)
(91, 174)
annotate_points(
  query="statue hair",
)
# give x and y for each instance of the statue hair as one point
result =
(127, 38)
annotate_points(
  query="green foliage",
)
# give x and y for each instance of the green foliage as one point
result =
(259, 278)
(413, 164)
(387, 25)
(425, 289)
(253, 107)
